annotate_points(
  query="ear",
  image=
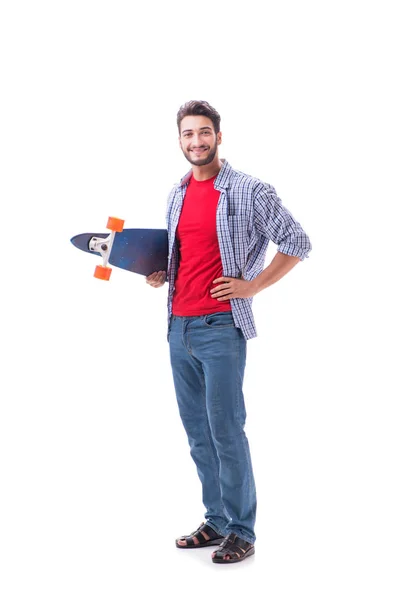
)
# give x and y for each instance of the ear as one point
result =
(219, 138)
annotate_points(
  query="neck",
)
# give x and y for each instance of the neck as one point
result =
(207, 171)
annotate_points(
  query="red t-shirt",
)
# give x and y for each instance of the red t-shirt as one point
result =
(200, 257)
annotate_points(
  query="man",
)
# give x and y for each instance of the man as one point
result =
(219, 224)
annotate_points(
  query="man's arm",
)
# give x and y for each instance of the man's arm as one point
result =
(230, 287)
(278, 267)
(276, 223)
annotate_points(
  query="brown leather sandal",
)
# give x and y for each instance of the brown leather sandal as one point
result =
(205, 535)
(234, 547)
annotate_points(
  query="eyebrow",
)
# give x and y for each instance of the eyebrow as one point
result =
(201, 128)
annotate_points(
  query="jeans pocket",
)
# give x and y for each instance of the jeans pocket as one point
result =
(218, 320)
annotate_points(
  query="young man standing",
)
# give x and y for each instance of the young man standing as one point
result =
(219, 224)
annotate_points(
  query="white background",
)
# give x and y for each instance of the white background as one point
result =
(96, 478)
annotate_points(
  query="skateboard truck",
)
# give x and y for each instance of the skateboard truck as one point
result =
(104, 247)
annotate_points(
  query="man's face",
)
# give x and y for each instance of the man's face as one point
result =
(198, 140)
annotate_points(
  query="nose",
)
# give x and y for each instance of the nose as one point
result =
(196, 140)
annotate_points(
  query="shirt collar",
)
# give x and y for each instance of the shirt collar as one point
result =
(222, 181)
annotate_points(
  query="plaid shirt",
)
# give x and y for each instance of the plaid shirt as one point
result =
(249, 215)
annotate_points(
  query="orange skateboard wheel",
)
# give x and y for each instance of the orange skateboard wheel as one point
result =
(102, 272)
(115, 224)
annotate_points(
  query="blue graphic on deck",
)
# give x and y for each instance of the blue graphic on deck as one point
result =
(141, 251)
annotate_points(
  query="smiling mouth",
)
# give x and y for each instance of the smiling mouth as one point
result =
(198, 150)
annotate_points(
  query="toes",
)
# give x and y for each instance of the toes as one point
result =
(182, 542)
(224, 557)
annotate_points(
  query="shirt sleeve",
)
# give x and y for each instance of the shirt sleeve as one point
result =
(276, 223)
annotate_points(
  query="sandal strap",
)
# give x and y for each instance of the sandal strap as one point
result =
(200, 537)
(189, 540)
(212, 534)
(198, 533)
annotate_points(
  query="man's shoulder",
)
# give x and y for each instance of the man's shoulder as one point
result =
(238, 180)
(179, 185)
(174, 190)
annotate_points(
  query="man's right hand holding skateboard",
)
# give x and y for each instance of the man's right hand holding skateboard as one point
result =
(156, 279)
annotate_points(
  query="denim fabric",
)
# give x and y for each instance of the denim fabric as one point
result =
(208, 357)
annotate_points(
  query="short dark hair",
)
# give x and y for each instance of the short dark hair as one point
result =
(198, 107)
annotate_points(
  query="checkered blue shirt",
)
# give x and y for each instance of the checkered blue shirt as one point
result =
(249, 215)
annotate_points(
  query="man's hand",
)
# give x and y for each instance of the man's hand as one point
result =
(230, 287)
(156, 279)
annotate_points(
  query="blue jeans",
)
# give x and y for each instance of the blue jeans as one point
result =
(208, 357)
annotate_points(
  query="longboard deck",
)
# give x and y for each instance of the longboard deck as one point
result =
(141, 251)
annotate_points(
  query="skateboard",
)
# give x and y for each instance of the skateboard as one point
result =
(141, 251)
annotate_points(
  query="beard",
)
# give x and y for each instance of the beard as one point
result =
(200, 162)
